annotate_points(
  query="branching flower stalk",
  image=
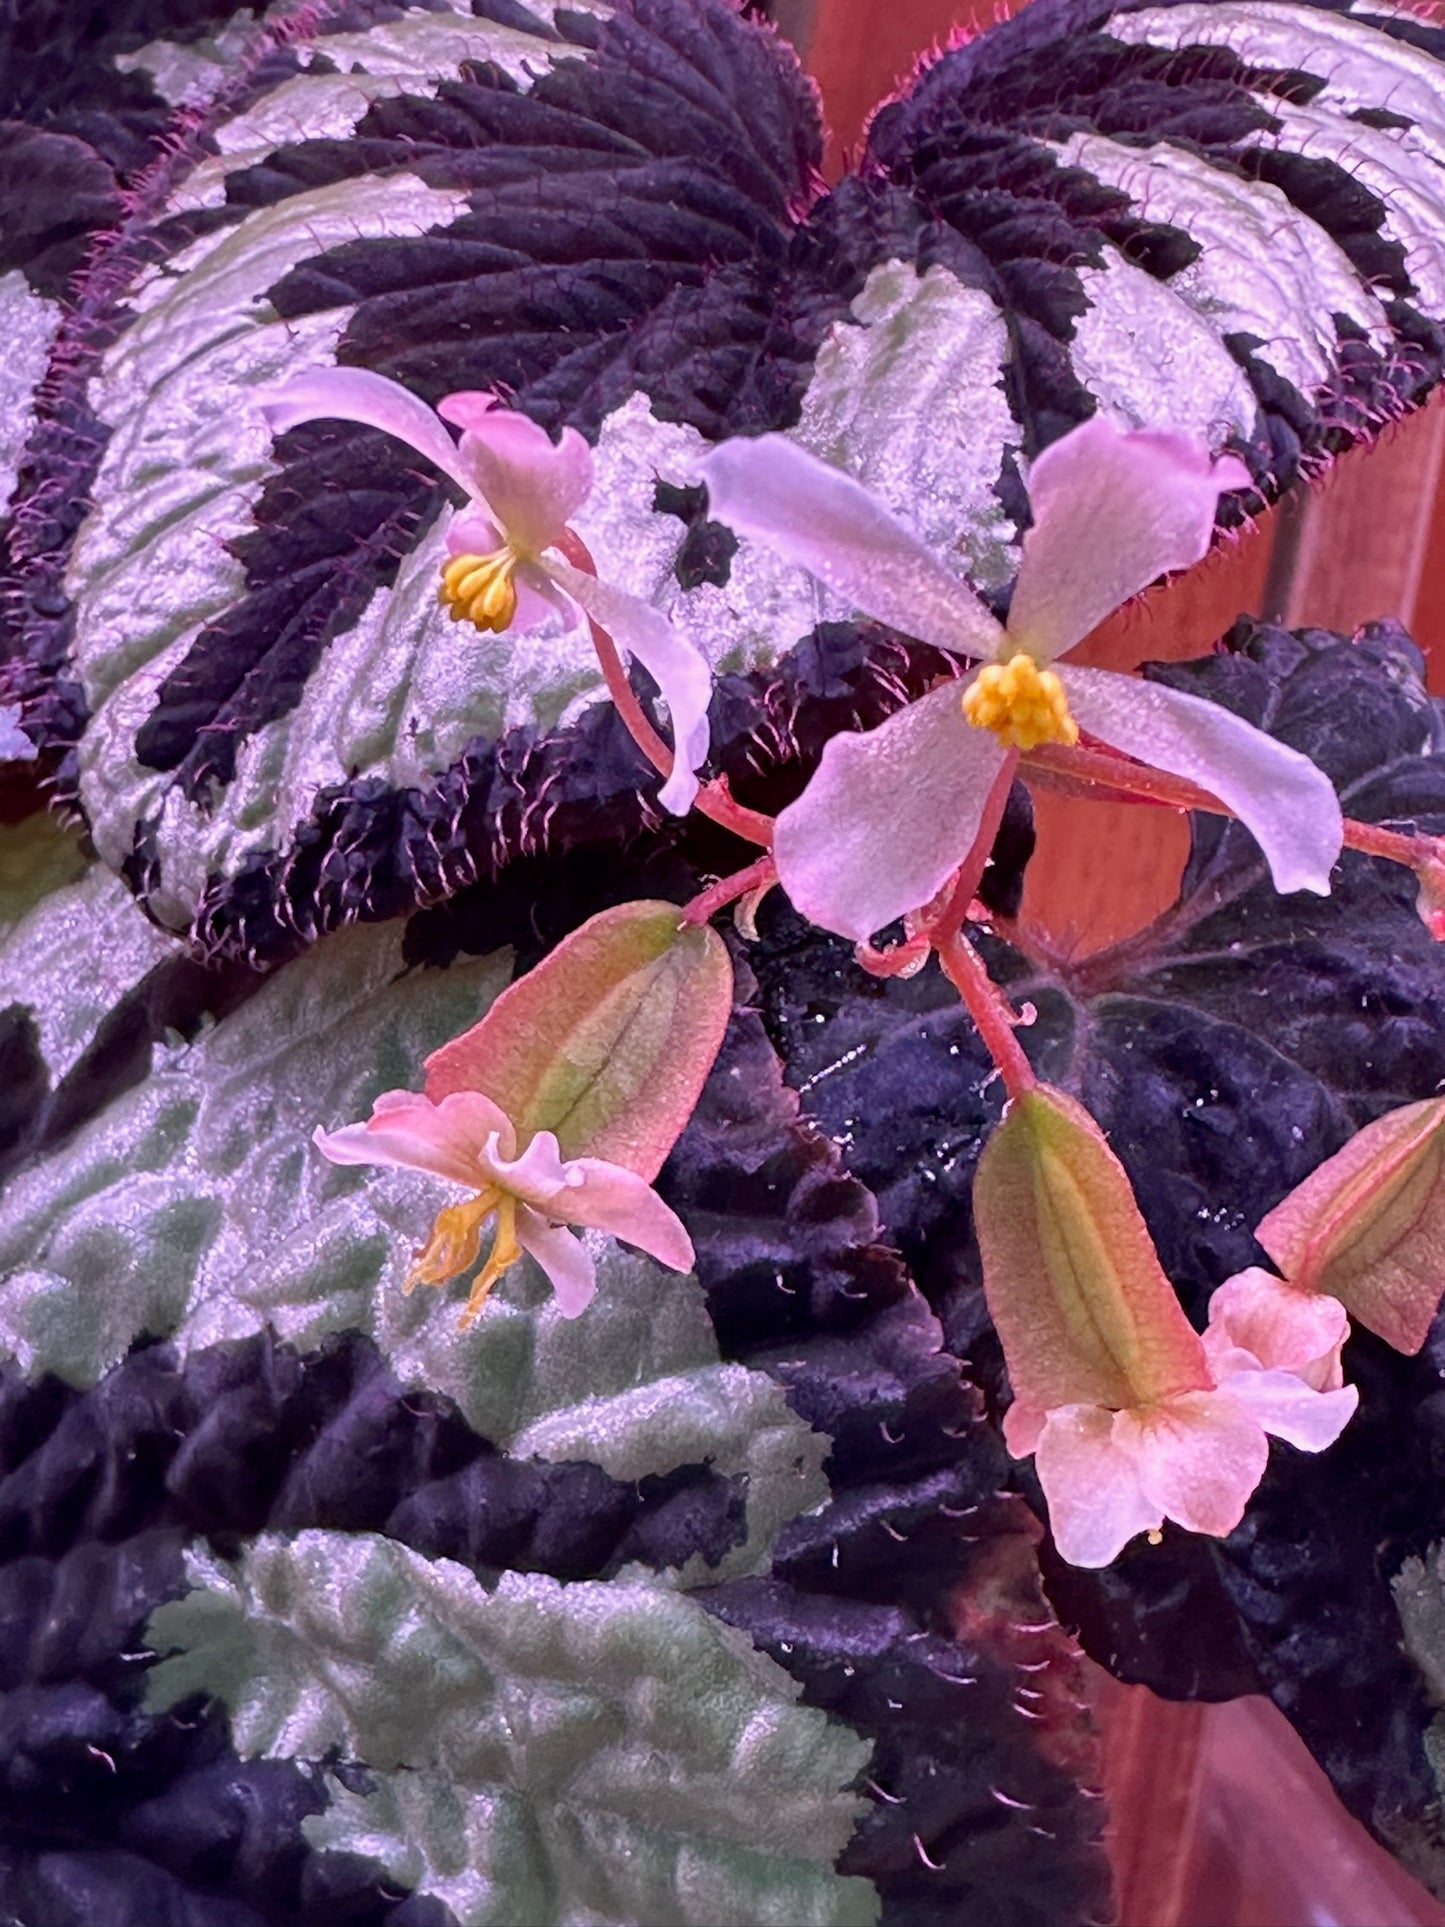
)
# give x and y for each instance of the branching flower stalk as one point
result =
(713, 799)
(1107, 775)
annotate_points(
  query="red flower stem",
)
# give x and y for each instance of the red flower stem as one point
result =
(717, 896)
(964, 888)
(1076, 771)
(990, 1010)
(1130, 781)
(1396, 845)
(713, 799)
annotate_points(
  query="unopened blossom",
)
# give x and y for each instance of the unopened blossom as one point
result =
(527, 1192)
(1132, 1418)
(505, 570)
(1368, 1225)
(892, 812)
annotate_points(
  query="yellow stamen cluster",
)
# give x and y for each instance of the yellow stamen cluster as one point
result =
(456, 1241)
(480, 589)
(1022, 704)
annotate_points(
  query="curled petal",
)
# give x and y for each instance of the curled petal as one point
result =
(1281, 1327)
(677, 666)
(592, 1192)
(449, 1140)
(357, 395)
(1285, 1405)
(1288, 805)
(1097, 1502)
(1113, 509)
(1198, 1456)
(565, 1259)
(814, 515)
(609, 1198)
(533, 485)
(888, 817)
(537, 1175)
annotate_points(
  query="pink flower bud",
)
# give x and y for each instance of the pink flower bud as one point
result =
(1368, 1226)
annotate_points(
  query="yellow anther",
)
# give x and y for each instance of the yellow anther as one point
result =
(456, 1242)
(1022, 704)
(503, 1255)
(480, 589)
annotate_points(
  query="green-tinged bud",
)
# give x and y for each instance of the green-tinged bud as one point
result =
(607, 1042)
(1368, 1226)
(1082, 1306)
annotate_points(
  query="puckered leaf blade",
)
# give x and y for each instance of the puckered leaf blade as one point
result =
(648, 1727)
(1228, 1050)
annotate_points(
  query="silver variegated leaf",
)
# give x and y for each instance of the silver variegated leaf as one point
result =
(545, 1752)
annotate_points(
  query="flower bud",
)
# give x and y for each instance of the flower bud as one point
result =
(607, 1043)
(1081, 1303)
(1368, 1227)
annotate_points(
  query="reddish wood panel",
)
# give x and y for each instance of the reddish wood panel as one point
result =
(1220, 1818)
(1103, 870)
(1365, 536)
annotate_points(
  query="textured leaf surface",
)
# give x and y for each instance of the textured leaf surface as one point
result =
(130, 1818)
(665, 1770)
(1226, 1050)
(614, 218)
(296, 645)
(910, 1605)
(194, 1204)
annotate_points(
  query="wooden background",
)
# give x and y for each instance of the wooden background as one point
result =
(1219, 1816)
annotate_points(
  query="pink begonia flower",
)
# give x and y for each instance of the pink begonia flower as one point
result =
(892, 812)
(1131, 1416)
(1269, 1364)
(533, 1191)
(505, 571)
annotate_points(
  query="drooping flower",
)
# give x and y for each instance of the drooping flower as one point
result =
(530, 1189)
(892, 812)
(1131, 1417)
(506, 571)
(560, 1105)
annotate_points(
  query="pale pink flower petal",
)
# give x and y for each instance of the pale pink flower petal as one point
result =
(1113, 509)
(888, 817)
(677, 666)
(1023, 1427)
(539, 598)
(1281, 1327)
(449, 1139)
(538, 1175)
(1097, 1501)
(1288, 805)
(1284, 1404)
(819, 518)
(472, 531)
(1198, 1456)
(612, 1199)
(533, 485)
(357, 395)
(565, 1259)
(592, 1192)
